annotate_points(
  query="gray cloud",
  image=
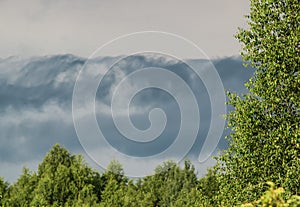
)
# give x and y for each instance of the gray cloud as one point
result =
(36, 95)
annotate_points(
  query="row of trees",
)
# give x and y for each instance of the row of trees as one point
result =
(63, 179)
(264, 144)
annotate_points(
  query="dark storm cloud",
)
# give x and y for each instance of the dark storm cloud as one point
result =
(36, 97)
(36, 81)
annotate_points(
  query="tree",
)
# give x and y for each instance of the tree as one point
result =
(204, 193)
(20, 193)
(3, 191)
(265, 139)
(113, 194)
(208, 187)
(115, 185)
(273, 197)
(64, 179)
(164, 187)
(192, 197)
(115, 171)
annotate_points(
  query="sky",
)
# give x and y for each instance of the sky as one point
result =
(40, 27)
(44, 61)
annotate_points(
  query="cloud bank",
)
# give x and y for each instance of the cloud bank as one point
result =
(36, 105)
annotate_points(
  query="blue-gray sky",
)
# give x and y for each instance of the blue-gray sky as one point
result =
(36, 111)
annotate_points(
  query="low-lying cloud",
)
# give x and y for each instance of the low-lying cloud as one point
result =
(36, 105)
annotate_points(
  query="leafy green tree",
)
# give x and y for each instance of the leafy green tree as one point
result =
(265, 138)
(164, 187)
(191, 197)
(113, 194)
(135, 196)
(273, 197)
(20, 193)
(115, 185)
(64, 179)
(115, 171)
(202, 194)
(122, 194)
(3, 191)
(86, 197)
(208, 187)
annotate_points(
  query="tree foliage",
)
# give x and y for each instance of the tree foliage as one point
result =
(3, 190)
(63, 179)
(273, 197)
(265, 138)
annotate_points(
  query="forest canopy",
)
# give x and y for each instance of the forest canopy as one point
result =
(63, 179)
